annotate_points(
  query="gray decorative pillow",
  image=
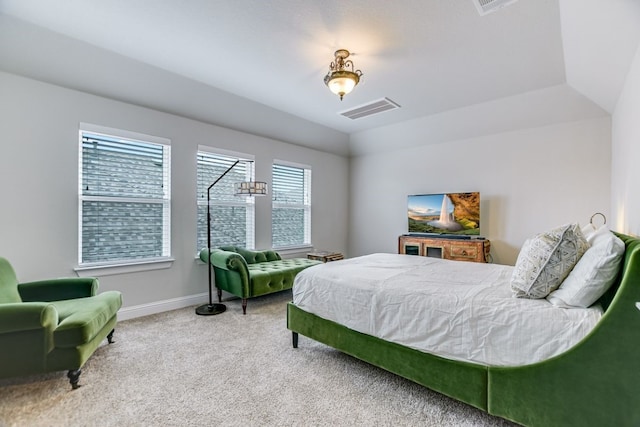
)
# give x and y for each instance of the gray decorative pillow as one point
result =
(546, 260)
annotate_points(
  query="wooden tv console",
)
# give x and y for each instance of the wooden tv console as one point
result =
(475, 250)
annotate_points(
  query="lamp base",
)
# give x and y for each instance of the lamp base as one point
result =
(211, 309)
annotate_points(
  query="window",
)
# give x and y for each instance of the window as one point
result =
(232, 217)
(291, 210)
(124, 197)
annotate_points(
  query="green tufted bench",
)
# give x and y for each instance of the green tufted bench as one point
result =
(247, 274)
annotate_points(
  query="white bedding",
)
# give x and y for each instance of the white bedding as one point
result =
(457, 310)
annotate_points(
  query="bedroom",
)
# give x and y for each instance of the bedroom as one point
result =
(586, 121)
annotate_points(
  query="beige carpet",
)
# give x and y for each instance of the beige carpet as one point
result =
(180, 369)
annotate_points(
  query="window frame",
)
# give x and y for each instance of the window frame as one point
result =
(306, 205)
(99, 268)
(247, 202)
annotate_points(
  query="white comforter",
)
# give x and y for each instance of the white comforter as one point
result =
(458, 310)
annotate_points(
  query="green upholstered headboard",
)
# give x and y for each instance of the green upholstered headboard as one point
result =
(630, 243)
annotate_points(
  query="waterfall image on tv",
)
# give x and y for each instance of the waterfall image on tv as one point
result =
(447, 213)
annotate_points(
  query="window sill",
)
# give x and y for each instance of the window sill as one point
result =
(96, 270)
(294, 250)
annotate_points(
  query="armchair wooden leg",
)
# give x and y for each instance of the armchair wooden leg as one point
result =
(110, 336)
(294, 339)
(74, 377)
(219, 295)
(244, 306)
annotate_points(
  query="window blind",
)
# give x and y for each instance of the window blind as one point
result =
(232, 217)
(291, 206)
(124, 199)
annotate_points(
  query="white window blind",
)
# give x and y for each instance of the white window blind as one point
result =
(291, 206)
(232, 217)
(125, 199)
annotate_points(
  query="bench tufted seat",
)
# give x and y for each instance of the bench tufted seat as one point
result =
(247, 274)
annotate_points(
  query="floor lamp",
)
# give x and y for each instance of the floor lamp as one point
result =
(247, 188)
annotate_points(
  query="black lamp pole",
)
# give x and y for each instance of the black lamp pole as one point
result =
(211, 308)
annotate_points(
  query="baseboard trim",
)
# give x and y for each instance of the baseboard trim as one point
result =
(132, 312)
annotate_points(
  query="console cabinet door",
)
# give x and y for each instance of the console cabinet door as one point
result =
(410, 247)
(465, 251)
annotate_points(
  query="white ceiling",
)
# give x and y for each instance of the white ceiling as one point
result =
(210, 56)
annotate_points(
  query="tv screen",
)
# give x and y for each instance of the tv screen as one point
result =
(446, 213)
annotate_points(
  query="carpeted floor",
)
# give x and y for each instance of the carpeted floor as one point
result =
(180, 369)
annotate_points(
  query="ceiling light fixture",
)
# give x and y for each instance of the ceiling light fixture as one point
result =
(342, 78)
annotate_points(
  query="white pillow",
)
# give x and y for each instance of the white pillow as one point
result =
(588, 231)
(545, 261)
(593, 274)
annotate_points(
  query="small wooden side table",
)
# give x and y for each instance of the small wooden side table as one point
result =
(325, 256)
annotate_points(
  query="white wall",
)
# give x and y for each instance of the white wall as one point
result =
(599, 40)
(529, 180)
(626, 154)
(39, 185)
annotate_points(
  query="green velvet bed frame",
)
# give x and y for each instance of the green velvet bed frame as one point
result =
(595, 383)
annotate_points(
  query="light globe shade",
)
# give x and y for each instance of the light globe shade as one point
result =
(342, 82)
(342, 85)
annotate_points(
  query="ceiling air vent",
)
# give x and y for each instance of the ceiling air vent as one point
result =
(375, 107)
(488, 6)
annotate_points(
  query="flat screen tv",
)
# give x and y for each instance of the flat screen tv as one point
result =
(444, 214)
